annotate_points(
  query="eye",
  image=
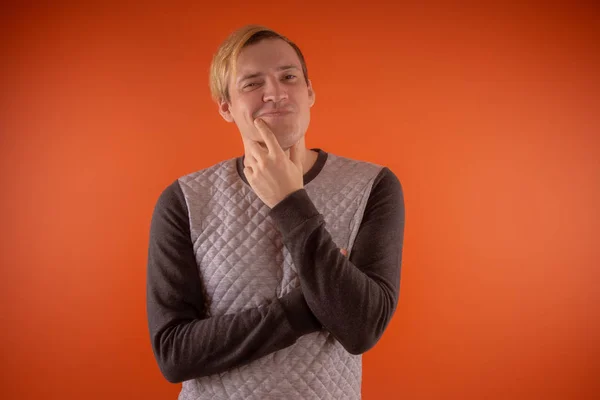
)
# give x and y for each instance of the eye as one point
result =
(250, 85)
(289, 77)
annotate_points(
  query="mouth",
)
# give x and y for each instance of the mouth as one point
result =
(274, 114)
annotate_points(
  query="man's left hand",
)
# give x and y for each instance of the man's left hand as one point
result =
(271, 173)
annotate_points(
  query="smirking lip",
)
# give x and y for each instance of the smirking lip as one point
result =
(275, 114)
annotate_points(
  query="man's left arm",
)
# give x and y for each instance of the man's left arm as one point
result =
(354, 298)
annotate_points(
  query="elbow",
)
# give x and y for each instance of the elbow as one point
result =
(361, 343)
(171, 376)
(171, 372)
(172, 368)
(364, 339)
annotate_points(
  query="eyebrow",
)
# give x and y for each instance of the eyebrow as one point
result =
(257, 74)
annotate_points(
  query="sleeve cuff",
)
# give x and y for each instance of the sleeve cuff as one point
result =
(293, 211)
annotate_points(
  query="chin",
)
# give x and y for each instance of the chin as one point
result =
(286, 134)
(287, 140)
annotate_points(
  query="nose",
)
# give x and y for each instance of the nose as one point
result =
(274, 90)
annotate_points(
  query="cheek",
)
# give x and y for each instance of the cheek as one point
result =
(242, 102)
(250, 108)
(242, 116)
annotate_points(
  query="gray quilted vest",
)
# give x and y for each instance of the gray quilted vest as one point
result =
(233, 235)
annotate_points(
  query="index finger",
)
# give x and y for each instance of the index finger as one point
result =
(268, 136)
(255, 149)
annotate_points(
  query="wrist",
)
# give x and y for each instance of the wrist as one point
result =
(293, 210)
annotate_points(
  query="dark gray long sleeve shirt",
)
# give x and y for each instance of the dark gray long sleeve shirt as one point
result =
(352, 297)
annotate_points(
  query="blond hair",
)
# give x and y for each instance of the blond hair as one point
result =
(224, 60)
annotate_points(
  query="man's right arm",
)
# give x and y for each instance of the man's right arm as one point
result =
(186, 343)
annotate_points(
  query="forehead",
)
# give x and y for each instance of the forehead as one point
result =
(266, 54)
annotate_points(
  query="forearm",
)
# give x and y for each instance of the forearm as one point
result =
(354, 298)
(187, 342)
(187, 349)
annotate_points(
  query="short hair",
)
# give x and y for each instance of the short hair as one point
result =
(224, 60)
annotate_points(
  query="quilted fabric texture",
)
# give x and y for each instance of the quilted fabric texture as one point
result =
(243, 263)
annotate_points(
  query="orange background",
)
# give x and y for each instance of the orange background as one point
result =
(489, 116)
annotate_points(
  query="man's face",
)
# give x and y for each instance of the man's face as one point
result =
(269, 84)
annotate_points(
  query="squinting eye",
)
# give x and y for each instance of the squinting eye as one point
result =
(290, 77)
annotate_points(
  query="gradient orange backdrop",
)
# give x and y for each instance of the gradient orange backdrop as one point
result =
(489, 116)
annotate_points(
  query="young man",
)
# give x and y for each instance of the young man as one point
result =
(271, 273)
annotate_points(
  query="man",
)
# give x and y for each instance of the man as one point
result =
(271, 273)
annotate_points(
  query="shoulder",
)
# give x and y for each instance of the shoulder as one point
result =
(338, 158)
(381, 174)
(387, 193)
(173, 196)
(351, 169)
(386, 185)
(387, 178)
(220, 168)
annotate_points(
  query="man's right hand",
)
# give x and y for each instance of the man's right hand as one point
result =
(270, 172)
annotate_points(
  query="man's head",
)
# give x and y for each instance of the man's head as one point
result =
(258, 73)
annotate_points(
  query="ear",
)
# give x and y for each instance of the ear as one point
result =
(224, 110)
(311, 94)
